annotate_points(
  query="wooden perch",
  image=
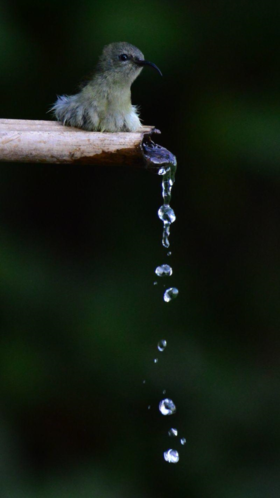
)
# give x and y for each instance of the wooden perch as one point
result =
(50, 142)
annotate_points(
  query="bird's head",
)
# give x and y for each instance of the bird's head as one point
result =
(122, 62)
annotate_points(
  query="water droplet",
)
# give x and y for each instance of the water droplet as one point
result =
(155, 360)
(169, 253)
(162, 345)
(168, 181)
(144, 382)
(155, 283)
(167, 407)
(163, 170)
(165, 236)
(164, 271)
(171, 456)
(166, 214)
(167, 184)
(183, 441)
(149, 407)
(173, 432)
(170, 294)
(164, 391)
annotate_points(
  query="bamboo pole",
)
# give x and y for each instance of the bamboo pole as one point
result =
(49, 142)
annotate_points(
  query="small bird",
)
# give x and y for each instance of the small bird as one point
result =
(104, 103)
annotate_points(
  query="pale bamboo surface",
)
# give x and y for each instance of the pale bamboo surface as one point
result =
(32, 141)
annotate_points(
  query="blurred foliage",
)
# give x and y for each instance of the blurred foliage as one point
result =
(80, 316)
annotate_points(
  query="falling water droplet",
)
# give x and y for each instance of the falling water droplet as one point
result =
(167, 407)
(164, 271)
(144, 382)
(173, 432)
(183, 441)
(155, 283)
(171, 456)
(166, 214)
(162, 345)
(164, 391)
(155, 360)
(169, 253)
(170, 294)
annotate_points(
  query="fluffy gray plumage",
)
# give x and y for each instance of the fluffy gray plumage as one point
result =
(104, 104)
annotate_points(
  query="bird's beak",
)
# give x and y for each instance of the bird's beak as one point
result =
(140, 62)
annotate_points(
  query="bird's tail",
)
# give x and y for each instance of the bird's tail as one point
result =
(62, 109)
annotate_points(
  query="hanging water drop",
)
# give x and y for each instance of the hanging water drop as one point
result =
(165, 212)
(168, 180)
(173, 432)
(167, 185)
(170, 294)
(164, 271)
(162, 345)
(163, 170)
(167, 407)
(171, 456)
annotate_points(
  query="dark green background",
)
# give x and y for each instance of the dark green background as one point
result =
(80, 317)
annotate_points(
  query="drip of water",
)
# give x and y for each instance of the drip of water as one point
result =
(165, 164)
(164, 391)
(168, 179)
(167, 216)
(171, 456)
(165, 212)
(164, 271)
(170, 294)
(167, 407)
(162, 345)
(163, 170)
(183, 441)
(173, 432)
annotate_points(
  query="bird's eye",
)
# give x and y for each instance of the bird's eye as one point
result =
(123, 57)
